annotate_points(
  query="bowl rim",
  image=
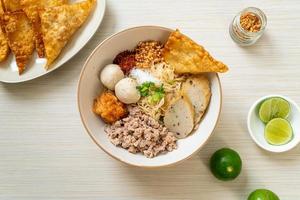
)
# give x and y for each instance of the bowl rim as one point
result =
(90, 133)
(252, 109)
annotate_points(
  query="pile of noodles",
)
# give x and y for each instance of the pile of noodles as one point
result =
(171, 84)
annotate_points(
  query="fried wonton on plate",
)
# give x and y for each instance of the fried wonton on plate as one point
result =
(186, 56)
(12, 5)
(1, 12)
(20, 37)
(59, 23)
(31, 8)
(4, 48)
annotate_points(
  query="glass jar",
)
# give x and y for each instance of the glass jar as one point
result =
(242, 36)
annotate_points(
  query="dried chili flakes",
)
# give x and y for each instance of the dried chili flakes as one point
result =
(126, 60)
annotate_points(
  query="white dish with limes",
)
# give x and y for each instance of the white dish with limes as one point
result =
(274, 123)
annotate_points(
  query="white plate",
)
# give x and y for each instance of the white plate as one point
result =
(89, 87)
(9, 71)
(256, 127)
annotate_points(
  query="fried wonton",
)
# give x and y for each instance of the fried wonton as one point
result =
(4, 48)
(59, 24)
(31, 8)
(20, 37)
(1, 9)
(12, 5)
(186, 56)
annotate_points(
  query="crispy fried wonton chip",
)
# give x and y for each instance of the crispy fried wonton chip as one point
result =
(60, 23)
(186, 56)
(4, 48)
(20, 37)
(12, 5)
(1, 9)
(31, 8)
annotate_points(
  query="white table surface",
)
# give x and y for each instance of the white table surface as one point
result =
(45, 152)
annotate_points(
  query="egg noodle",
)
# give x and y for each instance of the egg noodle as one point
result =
(171, 84)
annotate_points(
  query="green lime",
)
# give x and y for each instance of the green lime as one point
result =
(278, 131)
(226, 164)
(275, 107)
(263, 194)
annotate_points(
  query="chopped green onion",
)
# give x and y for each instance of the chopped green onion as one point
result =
(150, 90)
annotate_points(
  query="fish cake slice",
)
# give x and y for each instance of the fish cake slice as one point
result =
(58, 24)
(20, 37)
(197, 89)
(179, 117)
(31, 8)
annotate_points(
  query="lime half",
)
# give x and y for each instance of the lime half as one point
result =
(278, 131)
(275, 107)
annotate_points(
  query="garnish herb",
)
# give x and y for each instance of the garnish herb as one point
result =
(145, 88)
(150, 90)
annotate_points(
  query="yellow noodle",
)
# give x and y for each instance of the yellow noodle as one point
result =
(171, 84)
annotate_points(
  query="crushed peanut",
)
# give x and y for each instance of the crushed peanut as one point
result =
(148, 53)
(250, 22)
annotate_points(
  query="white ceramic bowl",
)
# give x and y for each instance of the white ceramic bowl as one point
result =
(89, 87)
(256, 127)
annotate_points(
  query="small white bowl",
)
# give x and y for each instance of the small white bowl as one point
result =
(256, 127)
(89, 87)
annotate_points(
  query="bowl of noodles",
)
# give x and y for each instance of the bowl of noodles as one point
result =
(150, 96)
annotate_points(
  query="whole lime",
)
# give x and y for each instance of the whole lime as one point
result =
(263, 194)
(226, 164)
